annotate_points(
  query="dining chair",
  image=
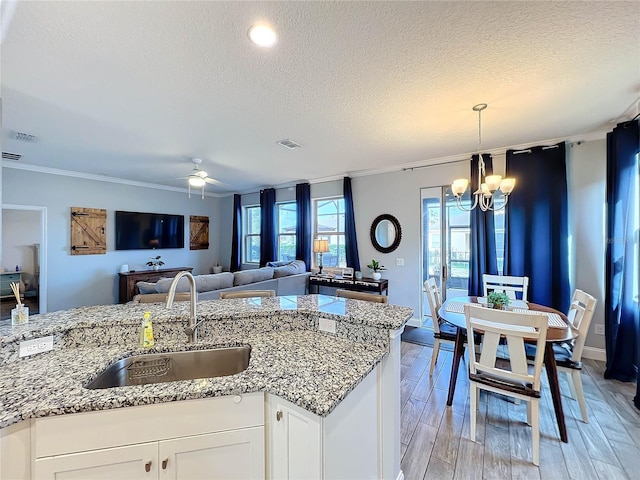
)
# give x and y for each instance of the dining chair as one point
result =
(442, 331)
(506, 284)
(247, 294)
(569, 355)
(160, 297)
(369, 297)
(513, 377)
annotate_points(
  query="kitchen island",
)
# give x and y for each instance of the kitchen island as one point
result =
(294, 368)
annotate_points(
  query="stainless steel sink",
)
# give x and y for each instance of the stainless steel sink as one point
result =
(168, 367)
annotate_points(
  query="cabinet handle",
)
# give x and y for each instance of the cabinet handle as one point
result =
(147, 466)
(164, 463)
(279, 415)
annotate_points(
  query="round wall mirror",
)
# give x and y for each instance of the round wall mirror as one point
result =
(385, 233)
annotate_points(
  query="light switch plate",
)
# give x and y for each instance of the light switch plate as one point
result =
(327, 325)
(599, 329)
(36, 345)
(399, 262)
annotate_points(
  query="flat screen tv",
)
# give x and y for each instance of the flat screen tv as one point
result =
(140, 231)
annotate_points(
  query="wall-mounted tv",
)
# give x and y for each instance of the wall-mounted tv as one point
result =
(138, 231)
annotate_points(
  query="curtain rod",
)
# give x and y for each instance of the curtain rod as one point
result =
(528, 150)
(448, 162)
(626, 124)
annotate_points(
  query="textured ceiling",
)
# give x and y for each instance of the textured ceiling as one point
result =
(134, 89)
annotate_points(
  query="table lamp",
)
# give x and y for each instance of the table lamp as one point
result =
(320, 247)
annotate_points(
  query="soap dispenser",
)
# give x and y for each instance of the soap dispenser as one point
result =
(146, 331)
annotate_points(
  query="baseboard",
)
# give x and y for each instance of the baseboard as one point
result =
(593, 353)
(414, 322)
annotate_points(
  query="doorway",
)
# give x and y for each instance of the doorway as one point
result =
(24, 251)
(445, 244)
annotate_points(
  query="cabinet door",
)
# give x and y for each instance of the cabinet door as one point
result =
(133, 463)
(233, 454)
(294, 436)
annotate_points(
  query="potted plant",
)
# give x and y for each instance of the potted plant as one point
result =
(498, 300)
(217, 268)
(155, 262)
(376, 267)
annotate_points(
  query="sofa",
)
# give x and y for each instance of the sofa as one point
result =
(285, 278)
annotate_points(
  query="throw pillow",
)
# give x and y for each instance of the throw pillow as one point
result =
(285, 270)
(163, 285)
(146, 287)
(279, 264)
(216, 281)
(245, 277)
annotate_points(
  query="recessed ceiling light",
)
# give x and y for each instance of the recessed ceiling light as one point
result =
(263, 35)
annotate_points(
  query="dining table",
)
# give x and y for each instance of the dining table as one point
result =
(452, 312)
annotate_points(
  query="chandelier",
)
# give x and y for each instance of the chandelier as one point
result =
(489, 185)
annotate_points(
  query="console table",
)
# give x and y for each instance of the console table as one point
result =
(364, 285)
(128, 280)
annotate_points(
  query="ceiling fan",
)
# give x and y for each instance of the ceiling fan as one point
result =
(198, 178)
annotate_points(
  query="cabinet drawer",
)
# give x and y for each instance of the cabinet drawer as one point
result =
(5, 282)
(146, 423)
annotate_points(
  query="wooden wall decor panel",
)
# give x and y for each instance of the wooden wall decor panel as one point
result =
(88, 231)
(198, 232)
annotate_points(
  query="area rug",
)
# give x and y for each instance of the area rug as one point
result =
(423, 336)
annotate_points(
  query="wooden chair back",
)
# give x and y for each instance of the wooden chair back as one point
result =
(247, 294)
(369, 297)
(506, 284)
(580, 315)
(513, 327)
(435, 301)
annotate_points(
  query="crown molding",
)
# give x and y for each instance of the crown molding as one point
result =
(432, 162)
(99, 178)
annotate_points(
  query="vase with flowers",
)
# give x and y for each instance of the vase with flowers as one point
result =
(376, 267)
(155, 262)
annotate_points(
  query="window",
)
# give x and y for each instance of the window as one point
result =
(328, 214)
(287, 221)
(251, 234)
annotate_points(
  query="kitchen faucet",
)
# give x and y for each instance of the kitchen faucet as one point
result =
(192, 325)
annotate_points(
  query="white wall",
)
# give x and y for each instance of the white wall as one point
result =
(80, 280)
(587, 205)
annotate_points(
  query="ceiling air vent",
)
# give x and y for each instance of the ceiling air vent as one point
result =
(290, 144)
(11, 156)
(24, 137)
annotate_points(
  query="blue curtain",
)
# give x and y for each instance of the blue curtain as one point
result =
(350, 240)
(621, 310)
(236, 240)
(303, 223)
(482, 255)
(536, 224)
(268, 234)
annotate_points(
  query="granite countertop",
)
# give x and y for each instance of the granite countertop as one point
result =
(289, 357)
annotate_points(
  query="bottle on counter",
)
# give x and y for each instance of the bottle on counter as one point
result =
(146, 331)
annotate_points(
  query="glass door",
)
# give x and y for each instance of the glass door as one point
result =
(445, 244)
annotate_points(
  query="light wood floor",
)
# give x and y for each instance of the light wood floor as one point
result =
(435, 438)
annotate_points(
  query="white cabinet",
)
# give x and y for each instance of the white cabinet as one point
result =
(132, 462)
(344, 444)
(236, 454)
(216, 438)
(294, 441)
